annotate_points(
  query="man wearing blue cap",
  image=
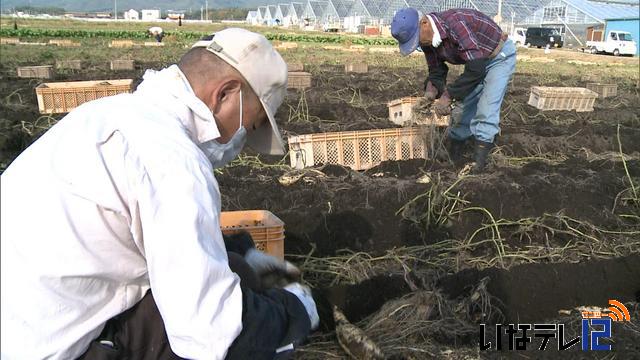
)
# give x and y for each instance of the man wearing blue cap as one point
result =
(462, 36)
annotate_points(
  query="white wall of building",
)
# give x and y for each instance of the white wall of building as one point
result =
(131, 14)
(150, 15)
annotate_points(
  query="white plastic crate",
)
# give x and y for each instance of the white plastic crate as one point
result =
(603, 90)
(35, 72)
(401, 113)
(359, 150)
(562, 98)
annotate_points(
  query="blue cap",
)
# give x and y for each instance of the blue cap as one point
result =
(404, 28)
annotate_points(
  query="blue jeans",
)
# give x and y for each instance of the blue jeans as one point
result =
(481, 116)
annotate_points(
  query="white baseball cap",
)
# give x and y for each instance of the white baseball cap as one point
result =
(264, 70)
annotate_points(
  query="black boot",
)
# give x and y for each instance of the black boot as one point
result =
(480, 156)
(455, 149)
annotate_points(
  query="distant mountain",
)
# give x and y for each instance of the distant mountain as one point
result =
(101, 5)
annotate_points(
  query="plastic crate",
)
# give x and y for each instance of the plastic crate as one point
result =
(562, 98)
(265, 228)
(359, 150)
(36, 72)
(63, 97)
(603, 90)
(356, 68)
(284, 45)
(118, 65)
(299, 80)
(386, 50)
(295, 67)
(69, 64)
(591, 78)
(401, 113)
(121, 43)
(9, 41)
(33, 43)
(334, 47)
(64, 43)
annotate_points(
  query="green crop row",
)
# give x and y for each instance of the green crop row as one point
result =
(68, 33)
(186, 35)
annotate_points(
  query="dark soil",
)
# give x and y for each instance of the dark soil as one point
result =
(534, 292)
(359, 300)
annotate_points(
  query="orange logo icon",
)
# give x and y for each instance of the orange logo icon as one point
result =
(618, 312)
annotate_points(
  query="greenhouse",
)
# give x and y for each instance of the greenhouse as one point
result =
(569, 16)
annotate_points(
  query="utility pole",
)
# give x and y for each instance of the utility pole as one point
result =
(498, 17)
(115, 9)
(206, 10)
(512, 25)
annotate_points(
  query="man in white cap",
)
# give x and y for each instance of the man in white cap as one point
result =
(111, 242)
(156, 32)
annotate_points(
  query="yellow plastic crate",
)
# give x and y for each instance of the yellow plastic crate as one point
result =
(63, 97)
(121, 43)
(266, 229)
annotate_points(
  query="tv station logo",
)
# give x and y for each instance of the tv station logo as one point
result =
(596, 326)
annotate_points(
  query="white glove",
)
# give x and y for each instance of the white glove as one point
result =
(303, 293)
(264, 264)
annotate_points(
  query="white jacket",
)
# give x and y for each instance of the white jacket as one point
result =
(113, 200)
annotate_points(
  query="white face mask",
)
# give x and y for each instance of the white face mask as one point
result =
(222, 154)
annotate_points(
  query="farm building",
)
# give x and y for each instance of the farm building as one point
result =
(314, 11)
(574, 18)
(271, 16)
(296, 13)
(252, 18)
(283, 15)
(367, 12)
(131, 14)
(331, 17)
(353, 15)
(150, 14)
(262, 13)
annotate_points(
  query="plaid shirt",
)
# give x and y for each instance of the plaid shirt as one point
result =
(466, 35)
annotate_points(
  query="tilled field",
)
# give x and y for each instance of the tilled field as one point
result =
(418, 254)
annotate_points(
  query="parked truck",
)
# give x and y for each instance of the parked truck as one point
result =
(518, 36)
(616, 43)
